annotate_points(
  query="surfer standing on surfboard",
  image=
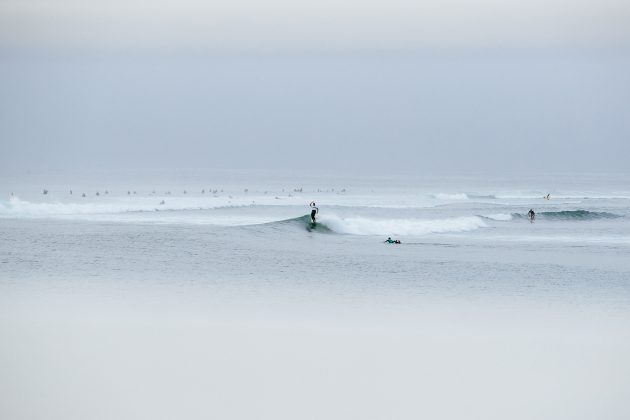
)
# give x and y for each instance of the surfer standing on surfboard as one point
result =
(314, 211)
(532, 215)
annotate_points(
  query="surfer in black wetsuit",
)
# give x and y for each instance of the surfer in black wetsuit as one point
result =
(531, 214)
(314, 211)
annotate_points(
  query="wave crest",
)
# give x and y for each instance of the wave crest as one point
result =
(17, 207)
(365, 226)
(571, 215)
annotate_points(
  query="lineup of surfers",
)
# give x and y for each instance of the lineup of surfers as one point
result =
(130, 192)
(209, 191)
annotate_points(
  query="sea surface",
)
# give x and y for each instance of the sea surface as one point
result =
(201, 294)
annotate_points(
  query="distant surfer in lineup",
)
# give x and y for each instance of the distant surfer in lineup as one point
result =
(392, 241)
(532, 215)
(547, 197)
(314, 211)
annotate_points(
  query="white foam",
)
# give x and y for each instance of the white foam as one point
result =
(365, 226)
(501, 217)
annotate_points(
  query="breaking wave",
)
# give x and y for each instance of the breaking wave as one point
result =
(22, 208)
(571, 215)
(387, 227)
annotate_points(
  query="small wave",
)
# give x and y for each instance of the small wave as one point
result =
(365, 226)
(462, 196)
(572, 196)
(571, 215)
(446, 196)
(22, 208)
(501, 217)
(485, 197)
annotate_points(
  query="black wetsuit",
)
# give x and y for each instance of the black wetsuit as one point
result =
(314, 211)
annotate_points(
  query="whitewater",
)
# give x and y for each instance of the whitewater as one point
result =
(198, 294)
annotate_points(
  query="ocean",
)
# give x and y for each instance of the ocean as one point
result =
(203, 294)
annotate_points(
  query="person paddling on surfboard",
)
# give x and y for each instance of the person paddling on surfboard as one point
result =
(314, 211)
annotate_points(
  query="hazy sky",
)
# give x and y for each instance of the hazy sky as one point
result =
(329, 85)
(322, 24)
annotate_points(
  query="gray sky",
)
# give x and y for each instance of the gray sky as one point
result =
(369, 86)
(323, 24)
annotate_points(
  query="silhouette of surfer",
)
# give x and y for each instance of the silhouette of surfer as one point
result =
(392, 241)
(532, 215)
(314, 211)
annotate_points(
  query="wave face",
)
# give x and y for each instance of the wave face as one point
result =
(221, 211)
(571, 215)
(305, 222)
(388, 227)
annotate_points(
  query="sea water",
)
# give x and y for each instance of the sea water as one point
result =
(197, 294)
